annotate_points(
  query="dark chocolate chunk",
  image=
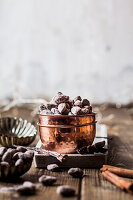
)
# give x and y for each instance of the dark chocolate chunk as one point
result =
(62, 105)
(30, 152)
(53, 167)
(59, 93)
(42, 107)
(78, 103)
(19, 162)
(102, 150)
(62, 108)
(90, 110)
(21, 149)
(49, 106)
(75, 172)
(4, 168)
(91, 149)
(85, 102)
(77, 98)
(55, 111)
(2, 151)
(7, 157)
(46, 112)
(27, 188)
(60, 98)
(65, 190)
(99, 144)
(85, 111)
(83, 150)
(13, 151)
(71, 103)
(47, 180)
(4, 164)
(16, 155)
(26, 156)
(76, 110)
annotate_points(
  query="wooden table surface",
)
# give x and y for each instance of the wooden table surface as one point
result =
(92, 186)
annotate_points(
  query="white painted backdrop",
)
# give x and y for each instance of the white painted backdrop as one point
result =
(77, 46)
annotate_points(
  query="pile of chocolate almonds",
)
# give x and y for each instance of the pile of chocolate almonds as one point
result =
(63, 105)
(14, 161)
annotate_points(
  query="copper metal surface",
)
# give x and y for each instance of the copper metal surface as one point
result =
(76, 132)
(66, 119)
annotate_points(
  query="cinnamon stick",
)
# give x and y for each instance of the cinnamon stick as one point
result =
(118, 181)
(128, 173)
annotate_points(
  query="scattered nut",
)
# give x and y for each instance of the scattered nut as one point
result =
(7, 157)
(77, 98)
(76, 110)
(19, 162)
(2, 151)
(16, 156)
(47, 180)
(65, 191)
(78, 103)
(85, 111)
(75, 172)
(63, 105)
(27, 188)
(21, 149)
(53, 167)
(85, 102)
(62, 108)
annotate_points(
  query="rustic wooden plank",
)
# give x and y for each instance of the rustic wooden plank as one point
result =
(43, 192)
(94, 187)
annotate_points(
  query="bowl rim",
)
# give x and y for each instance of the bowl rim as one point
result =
(63, 116)
(66, 126)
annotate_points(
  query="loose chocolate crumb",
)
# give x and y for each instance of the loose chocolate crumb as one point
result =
(65, 190)
(53, 167)
(75, 172)
(47, 180)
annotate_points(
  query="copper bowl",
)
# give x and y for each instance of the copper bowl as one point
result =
(66, 133)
